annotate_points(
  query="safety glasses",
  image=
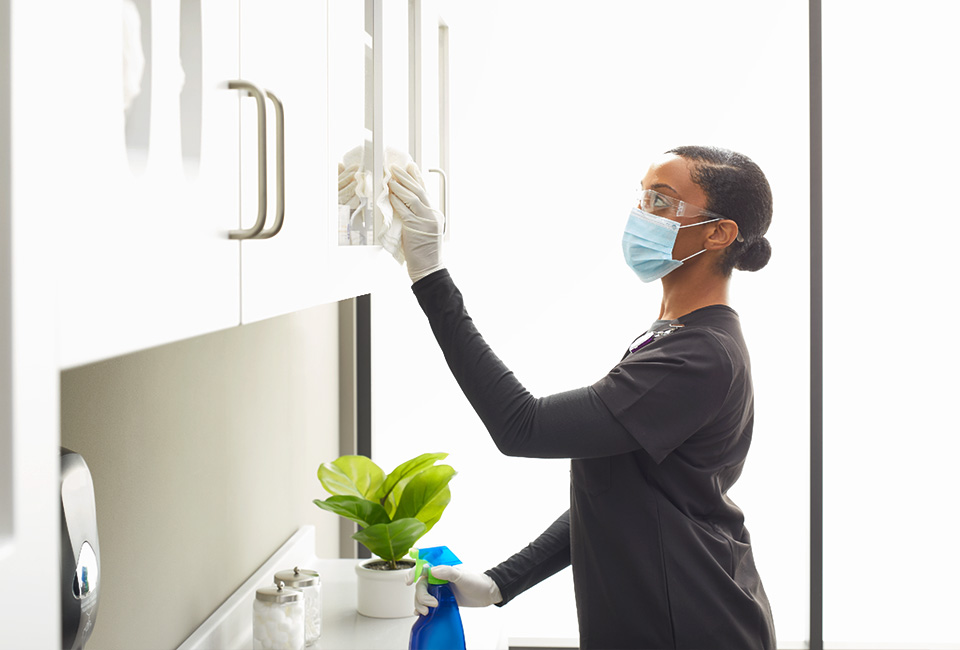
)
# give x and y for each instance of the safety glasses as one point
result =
(662, 205)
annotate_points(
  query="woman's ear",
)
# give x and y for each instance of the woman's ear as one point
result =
(723, 234)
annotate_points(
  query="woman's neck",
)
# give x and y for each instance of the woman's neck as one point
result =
(681, 298)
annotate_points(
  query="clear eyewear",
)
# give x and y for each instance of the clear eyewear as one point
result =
(661, 205)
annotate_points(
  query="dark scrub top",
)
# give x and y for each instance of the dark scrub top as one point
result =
(660, 555)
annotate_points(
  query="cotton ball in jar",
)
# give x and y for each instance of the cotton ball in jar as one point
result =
(306, 581)
(278, 619)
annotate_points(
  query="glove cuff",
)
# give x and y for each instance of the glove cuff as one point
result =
(419, 274)
(495, 596)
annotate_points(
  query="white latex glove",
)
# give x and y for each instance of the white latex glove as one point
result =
(471, 589)
(422, 225)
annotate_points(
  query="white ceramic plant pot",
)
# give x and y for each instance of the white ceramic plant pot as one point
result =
(384, 594)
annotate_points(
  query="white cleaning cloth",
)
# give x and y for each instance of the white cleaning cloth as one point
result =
(354, 181)
(389, 228)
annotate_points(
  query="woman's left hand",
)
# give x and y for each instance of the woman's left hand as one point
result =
(422, 237)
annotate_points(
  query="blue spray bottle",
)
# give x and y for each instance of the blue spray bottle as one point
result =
(441, 628)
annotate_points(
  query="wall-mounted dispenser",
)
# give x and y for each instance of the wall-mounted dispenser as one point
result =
(79, 551)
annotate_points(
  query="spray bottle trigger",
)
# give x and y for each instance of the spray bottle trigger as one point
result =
(422, 566)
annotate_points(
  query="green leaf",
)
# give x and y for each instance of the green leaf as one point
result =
(426, 495)
(335, 481)
(430, 514)
(352, 476)
(392, 541)
(405, 470)
(364, 512)
(394, 497)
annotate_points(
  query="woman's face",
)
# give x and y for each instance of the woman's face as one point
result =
(671, 177)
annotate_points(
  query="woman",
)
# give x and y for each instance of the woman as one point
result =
(660, 555)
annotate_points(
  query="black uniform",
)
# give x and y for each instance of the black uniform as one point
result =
(660, 555)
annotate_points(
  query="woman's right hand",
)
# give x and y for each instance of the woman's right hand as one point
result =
(470, 588)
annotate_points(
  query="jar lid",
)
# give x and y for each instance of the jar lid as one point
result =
(278, 594)
(298, 578)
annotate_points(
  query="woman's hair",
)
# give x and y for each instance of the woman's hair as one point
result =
(736, 188)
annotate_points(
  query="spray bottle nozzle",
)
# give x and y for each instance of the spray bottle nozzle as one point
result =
(430, 557)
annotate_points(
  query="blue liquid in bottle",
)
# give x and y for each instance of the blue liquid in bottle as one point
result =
(441, 628)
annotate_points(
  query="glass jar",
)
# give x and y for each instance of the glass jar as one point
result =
(308, 582)
(278, 619)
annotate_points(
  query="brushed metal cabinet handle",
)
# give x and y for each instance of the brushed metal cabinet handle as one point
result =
(281, 172)
(443, 198)
(252, 91)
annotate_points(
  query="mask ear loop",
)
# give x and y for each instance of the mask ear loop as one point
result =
(739, 234)
(692, 256)
(702, 223)
(691, 226)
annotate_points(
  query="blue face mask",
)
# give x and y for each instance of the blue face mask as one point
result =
(648, 244)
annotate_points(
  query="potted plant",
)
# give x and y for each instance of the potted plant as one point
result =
(394, 510)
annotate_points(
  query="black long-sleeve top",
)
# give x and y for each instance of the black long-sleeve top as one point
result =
(660, 555)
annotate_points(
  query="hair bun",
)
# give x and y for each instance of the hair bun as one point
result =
(755, 256)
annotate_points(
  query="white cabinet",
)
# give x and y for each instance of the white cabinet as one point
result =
(165, 161)
(144, 256)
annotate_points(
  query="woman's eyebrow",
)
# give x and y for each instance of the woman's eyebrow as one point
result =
(658, 186)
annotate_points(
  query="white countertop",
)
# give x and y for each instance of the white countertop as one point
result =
(545, 617)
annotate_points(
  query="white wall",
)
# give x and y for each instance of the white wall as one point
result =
(891, 436)
(557, 112)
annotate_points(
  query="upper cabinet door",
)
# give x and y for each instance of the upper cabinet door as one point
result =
(370, 80)
(393, 34)
(39, 83)
(145, 257)
(283, 54)
(431, 119)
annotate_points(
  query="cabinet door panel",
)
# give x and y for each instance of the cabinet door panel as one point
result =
(382, 37)
(354, 117)
(145, 255)
(283, 51)
(35, 78)
(433, 104)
